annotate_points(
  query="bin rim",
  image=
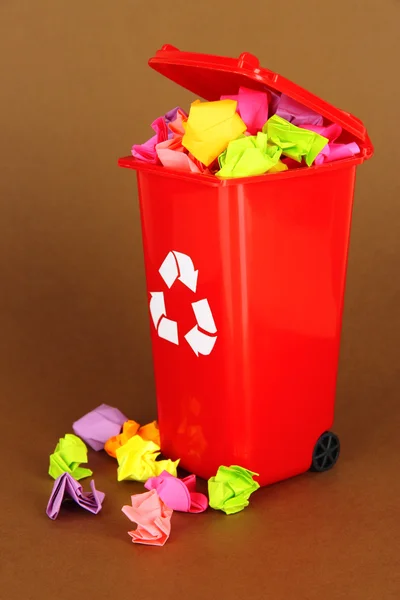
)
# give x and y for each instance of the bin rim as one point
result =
(129, 162)
(190, 70)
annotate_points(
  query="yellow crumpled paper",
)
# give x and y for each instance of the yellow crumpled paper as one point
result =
(210, 127)
(137, 460)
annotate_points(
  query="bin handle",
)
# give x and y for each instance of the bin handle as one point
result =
(169, 48)
(248, 61)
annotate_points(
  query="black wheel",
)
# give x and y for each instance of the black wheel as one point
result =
(326, 452)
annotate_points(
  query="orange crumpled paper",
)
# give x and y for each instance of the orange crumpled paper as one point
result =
(149, 432)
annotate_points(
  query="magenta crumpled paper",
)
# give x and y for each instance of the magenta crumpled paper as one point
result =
(332, 151)
(147, 152)
(252, 107)
(178, 494)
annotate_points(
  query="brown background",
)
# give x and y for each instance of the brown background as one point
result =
(75, 93)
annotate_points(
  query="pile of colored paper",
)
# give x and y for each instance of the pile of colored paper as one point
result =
(251, 133)
(137, 450)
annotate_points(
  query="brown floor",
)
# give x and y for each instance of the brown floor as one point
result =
(334, 535)
(73, 316)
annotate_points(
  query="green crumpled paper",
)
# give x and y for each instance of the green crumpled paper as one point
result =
(231, 488)
(295, 142)
(69, 453)
(247, 156)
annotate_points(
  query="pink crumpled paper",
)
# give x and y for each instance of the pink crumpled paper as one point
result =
(178, 494)
(332, 150)
(171, 153)
(174, 158)
(152, 516)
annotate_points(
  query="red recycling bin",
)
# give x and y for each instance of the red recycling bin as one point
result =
(245, 281)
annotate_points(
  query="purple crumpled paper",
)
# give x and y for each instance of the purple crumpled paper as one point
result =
(274, 99)
(65, 486)
(297, 113)
(97, 426)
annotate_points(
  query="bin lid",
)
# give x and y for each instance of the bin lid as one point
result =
(210, 77)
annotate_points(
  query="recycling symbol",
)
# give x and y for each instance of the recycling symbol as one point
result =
(201, 338)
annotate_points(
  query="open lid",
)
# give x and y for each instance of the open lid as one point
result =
(210, 77)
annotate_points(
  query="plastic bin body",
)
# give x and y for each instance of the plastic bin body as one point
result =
(271, 254)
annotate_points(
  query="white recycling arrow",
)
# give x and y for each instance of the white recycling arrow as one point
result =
(169, 270)
(157, 307)
(200, 342)
(187, 275)
(168, 330)
(179, 266)
(204, 317)
(202, 337)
